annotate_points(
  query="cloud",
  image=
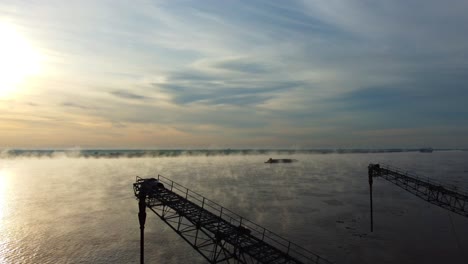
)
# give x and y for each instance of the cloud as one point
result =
(229, 94)
(239, 82)
(243, 66)
(129, 95)
(74, 105)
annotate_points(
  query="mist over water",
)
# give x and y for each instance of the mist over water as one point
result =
(83, 210)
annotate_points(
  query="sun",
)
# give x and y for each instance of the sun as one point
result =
(18, 60)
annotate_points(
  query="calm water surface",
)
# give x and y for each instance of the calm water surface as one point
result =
(77, 210)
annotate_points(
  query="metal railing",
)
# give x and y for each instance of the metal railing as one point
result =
(261, 233)
(425, 180)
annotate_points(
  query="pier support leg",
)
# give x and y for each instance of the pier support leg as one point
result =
(142, 219)
(371, 211)
(371, 207)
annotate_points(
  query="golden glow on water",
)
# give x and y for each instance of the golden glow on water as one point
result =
(18, 60)
(4, 185)
(4, 181)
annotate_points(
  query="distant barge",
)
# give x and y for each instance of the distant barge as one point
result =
(426, 150)
(270, 160)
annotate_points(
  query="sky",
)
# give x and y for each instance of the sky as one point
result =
(234, 74)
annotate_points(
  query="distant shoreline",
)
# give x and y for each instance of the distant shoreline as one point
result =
(136, 153)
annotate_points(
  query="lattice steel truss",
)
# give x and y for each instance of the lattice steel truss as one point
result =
(429, 190)
(217, 233)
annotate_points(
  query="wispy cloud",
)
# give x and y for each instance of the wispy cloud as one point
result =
(129, 95)
(74, 105)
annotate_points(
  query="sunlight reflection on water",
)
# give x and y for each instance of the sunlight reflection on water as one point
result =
(4, 178)
(72, 210)
(4, 185)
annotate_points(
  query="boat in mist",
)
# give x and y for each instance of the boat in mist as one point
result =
(426, 150)
(270, 160)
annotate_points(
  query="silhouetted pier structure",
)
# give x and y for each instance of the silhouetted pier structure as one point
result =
(448, 197)
(218, 234)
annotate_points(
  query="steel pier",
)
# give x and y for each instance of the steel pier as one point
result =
(218, 234)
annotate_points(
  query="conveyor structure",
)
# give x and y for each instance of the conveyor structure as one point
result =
(218, 234)
(443, 195)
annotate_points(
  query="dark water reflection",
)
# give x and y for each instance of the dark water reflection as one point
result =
(67, 210)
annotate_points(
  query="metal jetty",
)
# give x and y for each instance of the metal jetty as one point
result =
(218, 234)
(448, 197)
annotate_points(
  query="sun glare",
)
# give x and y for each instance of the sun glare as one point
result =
(18, 60)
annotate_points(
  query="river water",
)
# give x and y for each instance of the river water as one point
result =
(83, 210)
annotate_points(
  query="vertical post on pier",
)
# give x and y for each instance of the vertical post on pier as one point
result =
(142, 218)
(370, 193)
